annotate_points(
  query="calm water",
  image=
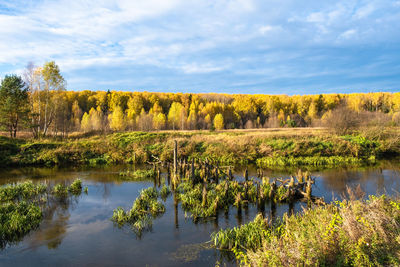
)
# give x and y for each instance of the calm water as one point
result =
(79, 232)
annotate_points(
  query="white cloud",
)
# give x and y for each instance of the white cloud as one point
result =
(186, 36)
(194, 68)
(265, 29)
(317, 17)
(347, 34)
(364, 11)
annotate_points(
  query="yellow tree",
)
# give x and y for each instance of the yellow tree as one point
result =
(192, 118)
(96, 120)
(207, 121)
(53, 84)
(135, 106)
(159, 121)
(85, 123)
(219, 122)
(76, 115)
(174, 114)
(117, 119)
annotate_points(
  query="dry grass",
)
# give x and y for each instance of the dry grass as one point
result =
(349, 233)
(267, 132)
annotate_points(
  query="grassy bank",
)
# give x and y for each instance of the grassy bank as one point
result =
(269, 148)
(346, 233)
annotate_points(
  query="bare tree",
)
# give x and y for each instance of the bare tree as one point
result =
(342, 120)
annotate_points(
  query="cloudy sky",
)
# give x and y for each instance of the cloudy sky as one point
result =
(230, 46)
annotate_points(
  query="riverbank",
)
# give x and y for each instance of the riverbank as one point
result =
(351, 232)
(266, 148)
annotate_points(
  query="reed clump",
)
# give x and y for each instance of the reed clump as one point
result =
(331, 161)
(137, 175)
(62, 190)
(21, 207)
(205, 200)
(16, 220)
(21, 191)
(351, 232)
(144, 209)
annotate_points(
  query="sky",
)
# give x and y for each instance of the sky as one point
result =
(223, 46)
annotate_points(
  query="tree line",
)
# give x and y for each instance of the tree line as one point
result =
(39, 102)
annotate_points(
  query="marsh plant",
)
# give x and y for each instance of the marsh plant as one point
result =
(144, 209)
(205, 200)
(345, 233)
(21, 191)
(137, 175)
(22, 205)
(16, 220)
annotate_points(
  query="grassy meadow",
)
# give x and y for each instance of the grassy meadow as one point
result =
(272, 148)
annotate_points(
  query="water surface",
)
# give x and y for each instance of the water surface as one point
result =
(79, 231)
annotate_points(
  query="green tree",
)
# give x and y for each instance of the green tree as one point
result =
(14, 107)
(54, 83)
(219, 122)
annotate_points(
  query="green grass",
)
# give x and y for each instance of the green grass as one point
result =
(266, 162)
(22, 191)
(223, 147)
(137, 175)
(22, 205)
(144, 208)
(16, 220)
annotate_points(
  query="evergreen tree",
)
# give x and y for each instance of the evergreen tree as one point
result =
(14, 107)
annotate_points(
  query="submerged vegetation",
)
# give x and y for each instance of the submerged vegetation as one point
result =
(344, 233)
(144, 209)
(204, 189)
(137, 175)
(205, 200)
(22, 206)
(16, 220)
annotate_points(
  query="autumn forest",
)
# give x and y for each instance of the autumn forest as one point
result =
(45, 107)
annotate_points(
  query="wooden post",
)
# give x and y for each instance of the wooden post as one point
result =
(159, 177)
(246, 175)
(245, 190)
(175, 159)
(176, 211)
(272, 192)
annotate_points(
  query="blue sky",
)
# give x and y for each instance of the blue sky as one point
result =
(227, 46)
